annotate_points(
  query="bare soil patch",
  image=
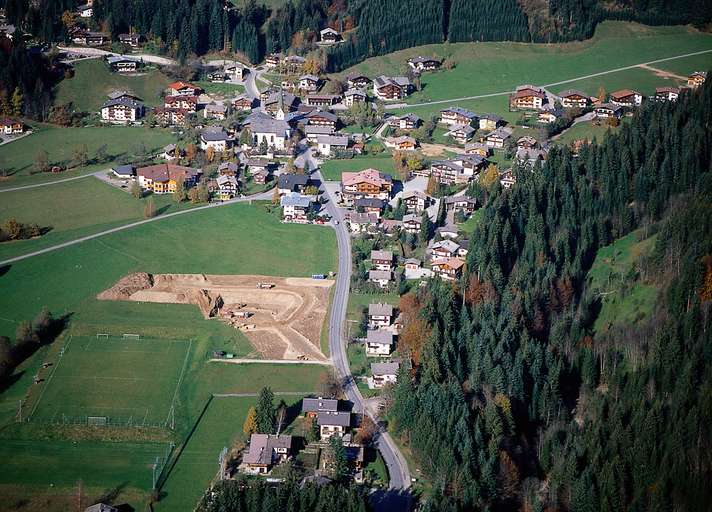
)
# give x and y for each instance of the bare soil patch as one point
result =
(662, 73)
(282, 318)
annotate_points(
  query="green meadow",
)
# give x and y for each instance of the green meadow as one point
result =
(331, 169)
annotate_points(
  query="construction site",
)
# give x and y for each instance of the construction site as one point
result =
(281, 317)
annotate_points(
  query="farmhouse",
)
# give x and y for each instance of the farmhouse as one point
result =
(457, 116)
(187, 103)
(164, 178)
(11, 126)
(507, 179)
(95, 38)
(449, 269)
(333, 423)
(294, 63)
(321, 118)
(308, 83)
(358, 81)
(273, 60)
(215, 137)
(528, 97)
(295, 207)
(329, 36)
(122, 110)
(405, 122)
(490, 122)
(497, 138)
(380, 277)
(279, 103)
(461, 133)
(85, 11)
(391, 88)
(574, 99)
(266, 451)
(227, 187)
(383, 374)
(415, 201)
(215, 111)
(328, 144)
(353, 97)
(323, 100)
(242, 102)
(667, 93)
(382, 260)
(379, 342)
(607, 110)
(311, 407)
(412, 223)
(549, 114)
(133, 40)
(464, 204)
(402, 143)
(424, 63)
(290, 182)
(696, 79)
(236, 70)
(370, 205)
(379, 315)
(366, 183)
(626, 98)
(122, 64)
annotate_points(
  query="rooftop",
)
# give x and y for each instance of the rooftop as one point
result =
(379, 337)
(384, 368)
(382, 255)
(380, 309)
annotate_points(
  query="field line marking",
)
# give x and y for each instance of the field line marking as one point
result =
(56, 367)
(180, 379)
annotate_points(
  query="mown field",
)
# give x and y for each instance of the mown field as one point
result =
(487, 68)
(123, 143)
(331, 169)
(93, 81)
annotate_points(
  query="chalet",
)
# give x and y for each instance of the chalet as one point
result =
(227, 187)
(379, 315)
(415, 201)
(449, 269)
(696, 79)
(228, 169)
(608, 110)
(215, 111)
(242, 102)
(124, 172)
(329, 36)
(549, 115)
(216, 138)
(448, 231)
(327, 145)
(122, 110)
(667, 93)
(527, 142)
(132, 40)
(383, 374)
(379, 342)
(164, 178)
(444, 249)
(312, 132)
(85, 11)
(574, 99)
(236, 70)
(266, 451)
(402, 143)
(309, 83)
(461, 133)
(290, 182)
(411, 223)
(530, 156)
(260, 176)
(273, 132)
(295, 207)
(95, 38)
(370, 205)
(498, 138)
(323, 100)
(311, 407)
(464, 248)
(490, 122)
(255, 165)
(366, 183)
(187, 103)
(11, 126)
(412, 264)
(183, 89)
(424, 63)
(218, 77)
(273, 60)
(121, 64)
(404, 122)
(457, 116)
(626, 98)
(391, 88)
(294, 63)
(507, 179)
(527, 97)
(170, 116)
(477, 148)
(460, 169)
(321, 118)
(380, 277)
(362, 222)
(382, 260)
(464, 204)
(357, 81)
(333, 423)
(353, 97)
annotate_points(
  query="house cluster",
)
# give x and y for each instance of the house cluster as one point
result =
(297, 206)
(447, 256)
(160, 178)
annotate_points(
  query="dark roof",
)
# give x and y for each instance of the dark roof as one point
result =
(125, 170)
(292, 181)
(320, 404)
(341, 418)
(125, 101)
(369, 202)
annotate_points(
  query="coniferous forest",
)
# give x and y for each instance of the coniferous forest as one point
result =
(515, 400)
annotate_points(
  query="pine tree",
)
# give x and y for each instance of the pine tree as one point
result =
(265, 412)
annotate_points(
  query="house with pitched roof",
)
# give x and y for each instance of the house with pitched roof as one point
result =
(164, 178)
(382, 260)
(333, 423)
(696, 79)
(329, 36)
(11, 126)
(124, 109)
(266, 451)
(380, 277)
(181, 88)
(421, 64)
(327, 145)
(379, 315)
(215, 137)
(274, 132)
(405, 122)
(383, 374)
(389, 88)
(667, 93)
(228, 187)
(357, 81)
(367, 183)
(379, 342)
(449, 269)
(574, 99)
(412, 223)
(457, 116)
(416, 201)
(353, 97)
(527, 97)
(295, 207)
(626, 98)
(490, 122)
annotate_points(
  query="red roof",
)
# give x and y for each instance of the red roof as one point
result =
(165, 172)
(182, 85)
(623, 93)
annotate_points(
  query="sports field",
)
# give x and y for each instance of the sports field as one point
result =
(128, 381)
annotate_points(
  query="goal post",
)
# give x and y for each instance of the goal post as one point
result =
(102, 336)
(128, 336)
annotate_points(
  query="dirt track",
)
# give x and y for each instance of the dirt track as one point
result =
(282, 322)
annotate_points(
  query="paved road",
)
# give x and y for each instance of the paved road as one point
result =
(262, 196)
(96, 52)
(251, 86)
(553, 84)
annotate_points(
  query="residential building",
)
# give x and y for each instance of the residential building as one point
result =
(549, 114)
(477, 148)
(323, 100)
(312, 132)
(273, 60)
(626, 98)
(85, 11)
(294, 63)
(498, 138)
(95, 38)
(7, 30)
(412, 264)
(380, 277)
(170, 116)
(379, 342)
(606, 110)
(227, 187)
(353, 97)
(328, 145)
(215, 111)
(448, 231)
(362, 222)
(290, 182)
(266, 451)
(124, 172)
(490, 122)
(527, 142)
(11, 126)
(133, 40)
(667, 93)
(366, 183)
(382, 260)
(321, 118)
(309, 83)
(370, 205)
(402, 143)
(507, 179)
(187, 103)
(527, 97)
(412, 223)
(383, 374)
(164, 178)
(460, 169)
(424, 63)
(574, 99)
(122, 64)
(228, 169)
(379, 315)
(215, 137)
(181, 88)
(391, 88)
(415, 201)
(696, 79)
(311, 407)
(236, 70)
(242, 102)
(274, 132)
(457, 116)
(101, 507)
(357, 81)
(530, 156)
(404, 122)
(463, 204)
(333, 423)
(464, 248)
(124, 109)
(295, 207)
(461, 133)
(444, 249)
(449, 269)
(260, 176)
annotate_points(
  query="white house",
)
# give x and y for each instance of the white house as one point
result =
(379, 315)
(382, 374)
(328, 144)
(379, 342)
(215, 138)
(380, 277)
(333, 423)
(122, 110)
(295, 207)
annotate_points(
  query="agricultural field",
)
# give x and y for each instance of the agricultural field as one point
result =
(331, 169)
(93, 81)
(122, 144)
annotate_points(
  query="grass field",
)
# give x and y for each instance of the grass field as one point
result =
(489, 67)
(588, 131)
(137, 380)
(122, 144)
(225, 90)
(331, 169)
(92, 82)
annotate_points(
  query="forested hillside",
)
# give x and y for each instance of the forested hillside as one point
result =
(515, 399)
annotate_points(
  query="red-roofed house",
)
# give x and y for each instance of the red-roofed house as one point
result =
(183, 89)
(528, 97)
(626, 98)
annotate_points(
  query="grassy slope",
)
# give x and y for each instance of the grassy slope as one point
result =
(92, 82)
(17, 159)
(332, 169)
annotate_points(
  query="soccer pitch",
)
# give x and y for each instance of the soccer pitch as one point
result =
(125, 380)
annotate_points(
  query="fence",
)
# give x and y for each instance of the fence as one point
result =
(98, 421)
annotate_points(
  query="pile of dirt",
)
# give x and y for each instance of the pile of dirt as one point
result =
(127, 286)
(209, 304)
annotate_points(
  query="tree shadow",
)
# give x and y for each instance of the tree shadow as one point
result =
(5, 269)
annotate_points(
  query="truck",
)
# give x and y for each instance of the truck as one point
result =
(318, 276)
